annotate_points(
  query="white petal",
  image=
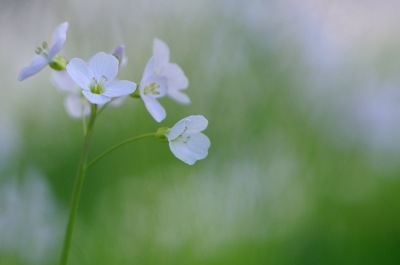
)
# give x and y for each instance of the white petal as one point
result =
(176, 81)
(198, 145)
(58, 40)
(178, 96)
(148, 70)
(119, 88)
(103, 64)
(95, 98)
(182, 82)
(59, 33)
(123, 63)
(176, 76)
(80, 73)
(177, 129)
(155, 108)
(64, 82)
(178, 148)
(190, 149)
(37, 64)
(160, 54)
(76, 106)
(195, 124)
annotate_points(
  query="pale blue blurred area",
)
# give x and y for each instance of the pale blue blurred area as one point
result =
(302, 99)
(30, 221)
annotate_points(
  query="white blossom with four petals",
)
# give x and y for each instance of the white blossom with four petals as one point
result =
(186, 140)
(162, 78)
(75, 103)
(46, 55)
(96, 78)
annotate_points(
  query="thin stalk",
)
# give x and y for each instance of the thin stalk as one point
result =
(77, 189)
(84, 124)
(83, 117)
(104, 106)
(94, 161)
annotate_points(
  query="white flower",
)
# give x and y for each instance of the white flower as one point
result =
(96, 78)
(153, 86)
(162, 78)
(186, 140)
(46, 54)
(75, 103)
(177, 80)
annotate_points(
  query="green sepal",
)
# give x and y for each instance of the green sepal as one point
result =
(58, 63)
(136, 93)
(161, 134)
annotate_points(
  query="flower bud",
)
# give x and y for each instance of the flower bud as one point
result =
(119, 53)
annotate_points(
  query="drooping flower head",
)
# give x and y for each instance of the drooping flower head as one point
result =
(186, 140)
(47, 54)
(96, 78)
(153, 86)
(177, 80)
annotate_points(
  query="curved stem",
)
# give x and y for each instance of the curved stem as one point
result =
(116, 147)
(104, 106)
(77, 189)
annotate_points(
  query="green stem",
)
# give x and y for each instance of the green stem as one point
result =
(116, 147)
(77, 189)
(83, 116)
(104, 106)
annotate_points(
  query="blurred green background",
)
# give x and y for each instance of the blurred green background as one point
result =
(303, 103)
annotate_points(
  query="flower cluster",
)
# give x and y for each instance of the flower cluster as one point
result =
(93, 82)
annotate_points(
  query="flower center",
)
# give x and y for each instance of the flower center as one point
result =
(44, 50)
(185, 138)
(151, 89)
(97, 87)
